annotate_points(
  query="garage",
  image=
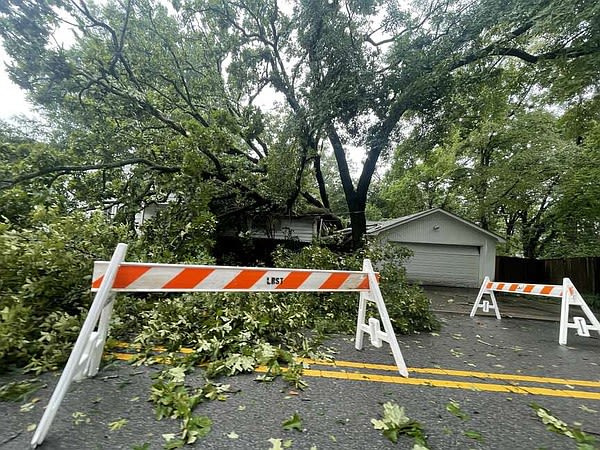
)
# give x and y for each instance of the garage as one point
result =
(447, 249)
(443, 265)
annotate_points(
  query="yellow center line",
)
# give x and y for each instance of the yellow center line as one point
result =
(130, 356)
(485, 387)
(158, 348)
(358, 376)
(418, 381)
(454, 373)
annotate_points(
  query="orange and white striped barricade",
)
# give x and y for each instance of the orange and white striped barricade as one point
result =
(116, 276)
(567, 292)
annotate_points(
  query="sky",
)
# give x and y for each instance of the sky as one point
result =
(12, 99)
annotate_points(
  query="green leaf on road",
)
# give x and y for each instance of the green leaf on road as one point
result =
(584, 441)
(177, 374)
(395, 423)
(18, 391)
(293, 423)
(476, 435)
(144, 446)
(29, 406)
(454, 408)
(195, 427)
(117, 424)
(275, 444)
(79, 418)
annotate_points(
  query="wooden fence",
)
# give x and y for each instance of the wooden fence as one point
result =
(583, 272)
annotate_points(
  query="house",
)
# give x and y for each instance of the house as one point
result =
(148, 212)
(250, 239)
(448, 250)
(302, 228)
(144, 213)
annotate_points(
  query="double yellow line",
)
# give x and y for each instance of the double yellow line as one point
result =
(356, 373)
(511, 387)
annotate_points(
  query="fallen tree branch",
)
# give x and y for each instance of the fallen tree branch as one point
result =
(62, 170)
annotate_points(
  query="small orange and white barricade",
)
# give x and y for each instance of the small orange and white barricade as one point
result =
(567, 292)
(118, 276)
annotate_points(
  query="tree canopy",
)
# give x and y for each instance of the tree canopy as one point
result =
(513, 162)
(236, 100)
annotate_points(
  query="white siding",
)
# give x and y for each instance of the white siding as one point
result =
(436, 228)
(302, 229)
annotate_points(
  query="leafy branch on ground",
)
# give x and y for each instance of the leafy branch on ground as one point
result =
(173, 399)
(395, 423)
(20, 391)
(583, 440)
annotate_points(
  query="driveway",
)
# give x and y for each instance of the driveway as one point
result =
(461, 300)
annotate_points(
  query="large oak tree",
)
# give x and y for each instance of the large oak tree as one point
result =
(351, 75)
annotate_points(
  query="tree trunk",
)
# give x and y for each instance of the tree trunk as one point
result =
(321, 183)
(356, 199)
(358, 221)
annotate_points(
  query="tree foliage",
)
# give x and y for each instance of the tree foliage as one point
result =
(508, 157)
(44, 282)
(144, 112)
(177, 89)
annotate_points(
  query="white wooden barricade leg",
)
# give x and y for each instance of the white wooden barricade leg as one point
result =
(572, 297)
(99, 339)
(372, 328)
(485, 305)
(87, 349)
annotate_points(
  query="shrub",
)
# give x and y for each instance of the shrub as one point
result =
(45, 283)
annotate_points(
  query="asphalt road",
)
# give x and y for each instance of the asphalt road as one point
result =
(336, 412)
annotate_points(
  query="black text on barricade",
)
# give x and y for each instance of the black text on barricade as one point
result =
(274, 280)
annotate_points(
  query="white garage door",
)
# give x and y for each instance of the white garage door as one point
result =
(444, 265)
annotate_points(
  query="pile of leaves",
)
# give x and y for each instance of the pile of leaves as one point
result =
(45, 294)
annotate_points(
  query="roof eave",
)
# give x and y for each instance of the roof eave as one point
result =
(422, 214)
